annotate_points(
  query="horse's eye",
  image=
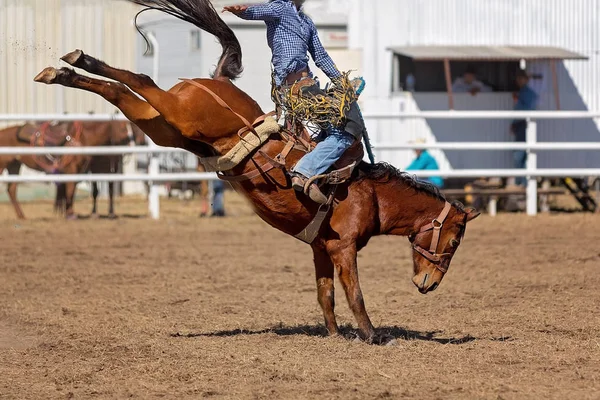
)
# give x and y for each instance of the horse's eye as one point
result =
(454, 243)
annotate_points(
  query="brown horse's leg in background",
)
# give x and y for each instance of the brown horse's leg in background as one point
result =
(94, 199)
(111, 206)
(13, 169)
(325, 291)
(70, 199)
(343, 256)
(135, 109)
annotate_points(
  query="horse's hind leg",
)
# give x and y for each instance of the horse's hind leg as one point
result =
(140, 112)
(13, 169)
(325, 291)
(343, 256)
(166, 103)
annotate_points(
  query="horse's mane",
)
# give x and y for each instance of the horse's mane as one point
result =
(383, 173)
(203, 14)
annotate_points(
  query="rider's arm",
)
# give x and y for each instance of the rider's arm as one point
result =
(320, 56)
(263, 12)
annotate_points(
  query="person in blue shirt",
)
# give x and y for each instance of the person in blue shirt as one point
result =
(526, 101)
(292, 35)
(424, 161)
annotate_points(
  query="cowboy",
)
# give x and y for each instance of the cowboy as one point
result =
(291, 35)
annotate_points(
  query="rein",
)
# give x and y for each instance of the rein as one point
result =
(436, 225)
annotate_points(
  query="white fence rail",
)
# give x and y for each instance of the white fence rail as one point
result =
(531, 146)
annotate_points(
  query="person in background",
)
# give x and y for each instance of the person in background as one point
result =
(525, 100)
(217, 189)
(218, 201)
(424, 161)
(469, 83)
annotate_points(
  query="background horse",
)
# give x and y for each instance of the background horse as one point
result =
(109, 133)
(46, 134)
(378, 200)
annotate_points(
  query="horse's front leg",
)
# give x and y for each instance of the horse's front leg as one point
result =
(70, 188)
(13, 169)
(94, 199)
(111, 198)
(325, 291)
(343, 256)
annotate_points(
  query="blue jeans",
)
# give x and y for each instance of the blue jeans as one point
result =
(218, 203)
(325, 154)
(520, 162)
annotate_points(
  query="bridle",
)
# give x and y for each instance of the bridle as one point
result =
(432, 255)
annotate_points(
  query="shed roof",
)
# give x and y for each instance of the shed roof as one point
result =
(486, 53)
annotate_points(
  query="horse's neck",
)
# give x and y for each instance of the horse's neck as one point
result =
(412, 208)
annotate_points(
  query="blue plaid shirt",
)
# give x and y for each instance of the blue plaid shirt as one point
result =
(291, 35)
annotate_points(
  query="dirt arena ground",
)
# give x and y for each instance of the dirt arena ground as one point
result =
(226, 308)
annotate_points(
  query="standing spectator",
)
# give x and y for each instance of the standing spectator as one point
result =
(218, 201)
(424, 161)
(525, 100)
(214, 189)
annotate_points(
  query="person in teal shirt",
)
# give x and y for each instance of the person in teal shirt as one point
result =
(425, 161)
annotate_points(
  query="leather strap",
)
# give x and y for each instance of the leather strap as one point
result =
(278, 162)
(308, 234)
(435, 225)
(437, 228)
(221, 102)
(266, 167)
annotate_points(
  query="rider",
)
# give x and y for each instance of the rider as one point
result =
(291, 35)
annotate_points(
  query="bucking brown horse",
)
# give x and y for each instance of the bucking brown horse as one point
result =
(208, 117)
(46, 134)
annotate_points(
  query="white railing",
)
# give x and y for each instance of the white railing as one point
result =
(531, 146)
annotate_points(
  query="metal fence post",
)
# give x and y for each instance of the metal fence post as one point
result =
(532, 193)
(153, 165)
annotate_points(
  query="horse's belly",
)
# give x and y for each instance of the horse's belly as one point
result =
(280, 209)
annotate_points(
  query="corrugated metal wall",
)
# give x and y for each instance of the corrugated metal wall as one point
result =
(34, 34)
(375, 25)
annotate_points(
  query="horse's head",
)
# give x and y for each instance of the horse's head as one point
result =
(434, 246)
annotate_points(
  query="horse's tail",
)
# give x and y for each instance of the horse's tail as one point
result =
(202, 14)
(60, 203)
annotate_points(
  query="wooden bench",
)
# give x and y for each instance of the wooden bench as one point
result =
(493, 194)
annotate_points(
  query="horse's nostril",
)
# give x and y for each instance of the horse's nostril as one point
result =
(433, 287)
(424, 280)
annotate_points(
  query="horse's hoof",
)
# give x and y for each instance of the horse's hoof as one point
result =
(47, 76)
(71, 217)
(73, 57)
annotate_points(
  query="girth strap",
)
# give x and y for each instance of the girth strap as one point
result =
(277, 162)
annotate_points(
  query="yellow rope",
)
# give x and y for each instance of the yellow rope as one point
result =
(321, 110)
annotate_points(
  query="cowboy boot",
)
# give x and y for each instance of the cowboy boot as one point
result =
(314, 193)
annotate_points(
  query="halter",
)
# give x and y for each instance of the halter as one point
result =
(436, 225)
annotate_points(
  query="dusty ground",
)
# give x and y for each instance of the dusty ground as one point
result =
(226, 308)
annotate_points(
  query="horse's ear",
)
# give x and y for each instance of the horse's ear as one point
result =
(472, 214)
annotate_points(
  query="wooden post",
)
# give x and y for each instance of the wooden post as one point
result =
(555, 83)
(448, 83)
